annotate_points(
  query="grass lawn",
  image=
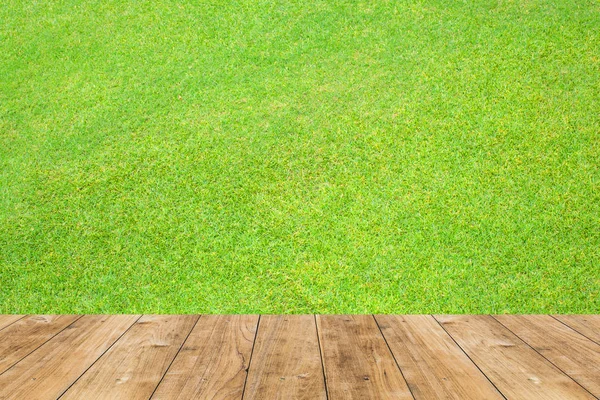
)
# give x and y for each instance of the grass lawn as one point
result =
(293, 157)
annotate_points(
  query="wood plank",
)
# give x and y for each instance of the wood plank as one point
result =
(7, 319)
(52, 368)
(213, 362)
(433, 365)
(358, 364)
(286, 361)
(571, 352)
(134, 366)
(516, 369)
(587, 325)
(29, 333)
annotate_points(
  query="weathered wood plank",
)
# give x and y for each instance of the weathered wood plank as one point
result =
(213, 362)
(433, 365)
(517, 370)
(587, 325)
(573, 353)
(27, 334)
(358, 364)
(52, 368)
(6, 320)
(286, 361)
(134, 366)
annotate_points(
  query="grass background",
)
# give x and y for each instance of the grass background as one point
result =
(301, 156)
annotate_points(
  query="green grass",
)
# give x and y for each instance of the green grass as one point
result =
(293, 157)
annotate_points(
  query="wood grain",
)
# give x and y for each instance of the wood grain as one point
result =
(52, 368)
(587, 325)
(358, 364)
(6, 320)
(286, 361)
(225, 357)
(517, 370)
(433, 365)
(214, 360)
(134, 366)
(573, 353)
(27, 334)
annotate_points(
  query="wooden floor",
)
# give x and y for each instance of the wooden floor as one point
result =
(299, 357)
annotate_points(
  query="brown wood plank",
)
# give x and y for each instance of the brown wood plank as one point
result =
(134, 366)
(433, 365)
(7, 319)
(587, 325)
(52, 368)
(571, 352)
(286, 361)
(358, 364)
(517, 370)
(212, 363)
(27, 334)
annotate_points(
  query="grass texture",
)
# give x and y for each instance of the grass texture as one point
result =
(302, 156)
